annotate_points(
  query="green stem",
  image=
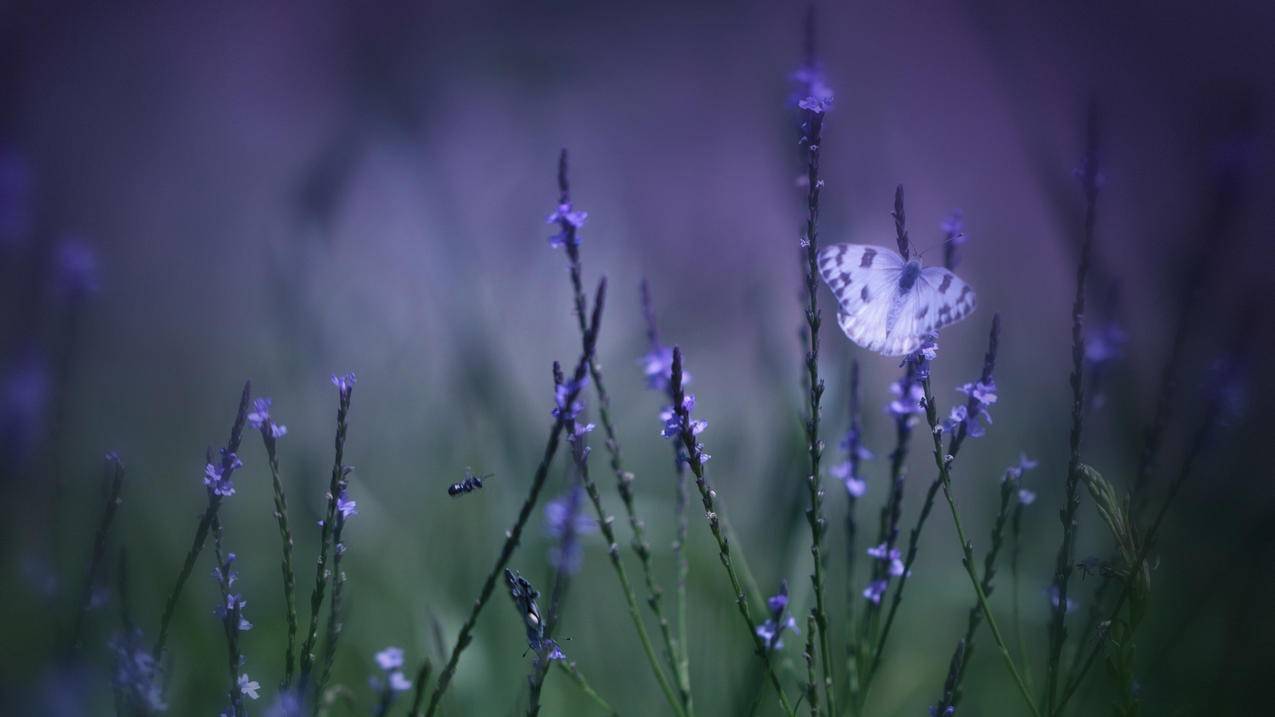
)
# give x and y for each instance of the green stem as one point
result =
(583, 684)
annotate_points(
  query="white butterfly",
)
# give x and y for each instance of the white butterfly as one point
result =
(888, 304)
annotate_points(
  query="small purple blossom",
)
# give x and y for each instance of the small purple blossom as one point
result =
(570, 220)
(875, 590)
(1106, 344)
(1052, 592)
(657, 364)
(346, 507)
(973, 414)
(891, 555)
(772, 630)
(563, 393)
(398, 682)
(259, 418)
(224, 575)
(844, 472)
(137, 673)
(1026, 497)
(391, 658)
(953, 227)
(344, 384)
(218, 476)
(565, 523)
(234, 604)
(908, 396)
(249, 686)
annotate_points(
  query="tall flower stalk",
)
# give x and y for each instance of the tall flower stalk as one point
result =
(1090, 177)
(658, 364)
(980, 394)
(345, 390)
(115, 470)
(218, 485)
(570, 394)
(271, 432)
(681, 427)
(815, 107)
(943, 465)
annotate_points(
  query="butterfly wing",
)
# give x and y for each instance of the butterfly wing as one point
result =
(865, 280)
(938, 298)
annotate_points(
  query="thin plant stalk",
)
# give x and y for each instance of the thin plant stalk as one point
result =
(914, 538)
(813, 126)
(708, 495)
(967, 548)
(285, 539)
(205, 523)
(111, 508)
(812, 685)
(605, 523)
(230, 621)
(418, 696)
(681, 517)
(321, 573)
(1064, 564)
(514, 535)
(623, 478)
(1016, 528)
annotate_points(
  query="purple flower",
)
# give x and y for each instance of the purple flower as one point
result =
(953, 227)
(565, 523)
(844, 472)
(563, 393)
(570, 221)
(249, 686)
(1026, 497)
(234, 605)
(223, 573)
(891, 555)
(137, 674)
(398, 682)
(657, 364)
(344, 384)
(773, 628)
(346, 507)
(217, 476)
(1106, 344)
(76, 268)
(875, 590)
(817, 104)
(391, 658)
(1052, 592)
(259, 417)
(812, 89)
(981, 395)
(1024, 464)
(908, 396)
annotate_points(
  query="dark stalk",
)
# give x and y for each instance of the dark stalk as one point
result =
(967, 548)
(708, 496)
(1009, 493)
(321, 573)
(285, 538)
(335, 610)
(1200, 441)
(955, 442)
(951, 686)
(854, 437)
(812, 685)
(229, 622)
(113, 501)
(514, 535)
(205, 523)
(681, 516)
(418, 697)
(1064, 564)
(1016, 523)
(813, 136)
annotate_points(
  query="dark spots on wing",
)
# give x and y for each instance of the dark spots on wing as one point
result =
(947, 281)
(868, 256)
(945, 313)
(864, 296)
(965, 291)
(921, 314)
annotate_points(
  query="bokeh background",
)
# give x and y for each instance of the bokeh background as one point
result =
(194, 194)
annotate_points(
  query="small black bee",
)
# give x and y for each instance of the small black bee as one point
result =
(469, 485)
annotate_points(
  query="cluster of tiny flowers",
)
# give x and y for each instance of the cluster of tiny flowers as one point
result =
(673, 425)
(562, 394)
(260, 418)
(137, 673)
(852, 444)
(1052, 592)
(875, 590)
(390, 660)
(981, 396)
(234, 603)
(1015, 473)
(346, 507)
(890, 555)
(564, 524)
(772, 630)
(908, 397)
(218, 476)
(565, 216)
(344, 384)
(657, 364)
(816, 94)
(249, 687)
(921, 358)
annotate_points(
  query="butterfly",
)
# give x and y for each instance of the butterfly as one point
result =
(889, 304)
